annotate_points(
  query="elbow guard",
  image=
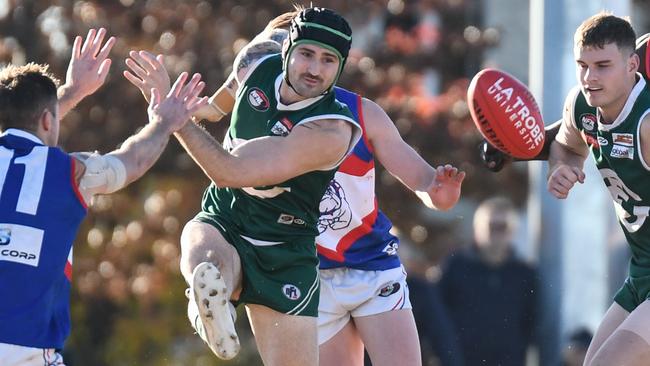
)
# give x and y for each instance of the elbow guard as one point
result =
(104, 173)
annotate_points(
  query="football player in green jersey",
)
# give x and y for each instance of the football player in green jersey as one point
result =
(608, 114)
(253, 242)
(346, 346)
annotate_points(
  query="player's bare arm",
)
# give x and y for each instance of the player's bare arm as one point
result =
(87, 70)
(250, 54)
(99, 174)
(567, 154)
(220, 103)
(223, 100)
(269, 160)
(565, 166)
(439, 188)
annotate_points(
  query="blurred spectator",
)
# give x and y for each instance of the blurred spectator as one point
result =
(576, 349)
(438, 336)
(490, 293)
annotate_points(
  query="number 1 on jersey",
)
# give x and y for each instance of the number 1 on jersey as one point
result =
(32, 184)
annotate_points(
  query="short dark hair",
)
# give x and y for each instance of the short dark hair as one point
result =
(25, 91)
(604, 28)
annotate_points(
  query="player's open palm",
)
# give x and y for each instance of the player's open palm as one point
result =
(563, 178)
(446, 186)
(176, 108)
(89, 64)
(147, 72)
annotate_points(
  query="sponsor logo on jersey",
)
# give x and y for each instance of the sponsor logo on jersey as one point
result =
(602, 141)
(622, 152)
(282, 127)
(21, 244)
(258, 100)
(389, 289)
(588, 121)
(5, 236)
(291, 292)
(391, 248)
(625, 139)
(287, 219)
(19, 256)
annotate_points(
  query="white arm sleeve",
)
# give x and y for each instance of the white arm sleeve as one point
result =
(104, 174)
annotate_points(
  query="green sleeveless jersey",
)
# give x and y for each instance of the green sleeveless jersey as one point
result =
(616, 148)
(286, 212)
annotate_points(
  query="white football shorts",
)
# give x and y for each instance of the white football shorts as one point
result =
(346, 292)
(14, 355)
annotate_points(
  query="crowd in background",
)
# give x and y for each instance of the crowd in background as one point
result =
(414, 58)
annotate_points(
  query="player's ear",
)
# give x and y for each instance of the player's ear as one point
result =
(46, 119)
(633, 63)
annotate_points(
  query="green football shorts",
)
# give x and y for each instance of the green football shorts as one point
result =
(283, 277)
(634, 291)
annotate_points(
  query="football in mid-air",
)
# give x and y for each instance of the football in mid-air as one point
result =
(506, 113)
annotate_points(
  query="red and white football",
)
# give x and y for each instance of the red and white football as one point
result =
(506, 113)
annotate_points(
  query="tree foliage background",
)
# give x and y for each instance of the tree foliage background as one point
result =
(414, 58)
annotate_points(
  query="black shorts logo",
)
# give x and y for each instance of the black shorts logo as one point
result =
(258, 100)
(389, 289)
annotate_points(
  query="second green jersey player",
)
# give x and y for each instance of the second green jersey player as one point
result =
(609, 114)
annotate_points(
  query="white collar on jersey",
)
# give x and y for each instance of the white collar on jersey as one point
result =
(22, 133)
(293, 106)
(627, 108)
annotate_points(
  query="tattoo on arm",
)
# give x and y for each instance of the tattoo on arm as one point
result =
(279, 35)
(254, 52)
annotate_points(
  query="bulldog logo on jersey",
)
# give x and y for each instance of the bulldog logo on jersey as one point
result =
(5, 236)
(291, 292)
(335, 212)
(588, 121)
(258, 100)
(282, 127)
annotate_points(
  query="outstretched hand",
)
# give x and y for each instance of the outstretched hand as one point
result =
(176, 108)
(444, 190)
(147, 72)
(89, 64)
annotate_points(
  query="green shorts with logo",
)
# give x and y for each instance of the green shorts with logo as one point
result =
(634, 291)
(283, 277)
